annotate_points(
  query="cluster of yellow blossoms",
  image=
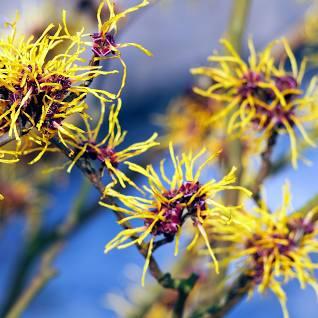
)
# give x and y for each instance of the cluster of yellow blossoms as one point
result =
(39, 93)
(169, 201)
(272, 247)
(260, 95)
(192, 129)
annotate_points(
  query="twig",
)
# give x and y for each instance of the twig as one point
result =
(184, 289)
(232, 295)
(237, 22)
(296, 37)
(46, 273)
(162, 242)
(5, 138)
(41, 241)
(266, 165)
(234, 149)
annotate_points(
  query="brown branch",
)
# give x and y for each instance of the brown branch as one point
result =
(309, 206)
(265, 167)
(42, 240)
(296, 37)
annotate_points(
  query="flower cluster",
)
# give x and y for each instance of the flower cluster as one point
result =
(259, 94)
(104, 43)
(273, 248)
(187, 125)
(45, 80)
(169, 202)
(40, 91)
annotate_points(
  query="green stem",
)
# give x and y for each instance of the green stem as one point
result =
(46, 273)
(237, 22)
(307, 207)
(234, 34)
(235, 292)
(234, 152)
(184, 288)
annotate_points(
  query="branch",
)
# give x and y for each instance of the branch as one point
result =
(41, 241)
(184, 289)
(237, 22)
(266, 165)
(46, 273)
(232, 295)
(183, 286)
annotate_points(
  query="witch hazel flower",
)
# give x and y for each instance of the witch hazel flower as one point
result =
(261, 95)
(168, 202)
(272, 247)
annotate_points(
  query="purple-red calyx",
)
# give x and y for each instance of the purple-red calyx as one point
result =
(102, 154)
(178, 208)
(278, 114)
(249, 85)
(103, 44)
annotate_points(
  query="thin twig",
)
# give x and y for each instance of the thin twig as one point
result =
(230, 297)
(309, 206)
(39, 281)
(184, 289)
(266, 165)
(40, 242)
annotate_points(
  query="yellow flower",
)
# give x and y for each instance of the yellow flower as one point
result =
(35, 89)
(88, 145)
(169, 202)
(273, 247)
(187, 125)
(20, 196)
(260, 95)
(38, 91)
(104, 44)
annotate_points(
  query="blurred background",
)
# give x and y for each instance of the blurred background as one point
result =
(181, 34)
